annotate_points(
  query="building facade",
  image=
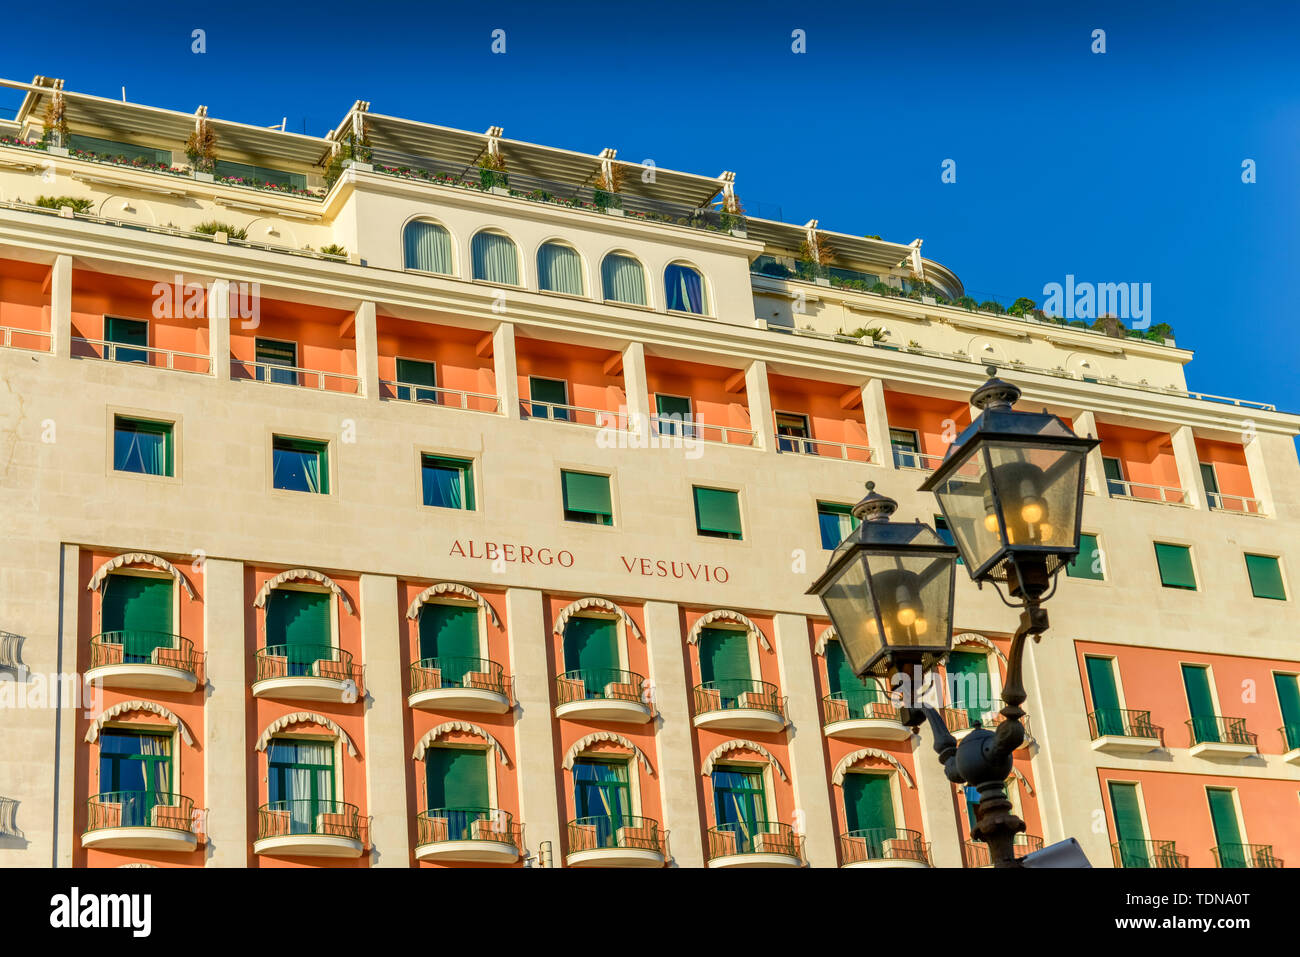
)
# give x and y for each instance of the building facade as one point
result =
(414, 497)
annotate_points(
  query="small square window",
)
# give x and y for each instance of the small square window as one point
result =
(1088, 563)
(835, 522)
(587, 498)
(300, 465)
(1265, 577)
(448, 482)
(142, 446)
(717, 513)
(276, 361)
(1175, 563)
(127, 332)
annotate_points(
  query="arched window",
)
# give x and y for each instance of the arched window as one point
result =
(495, 258)
(427, 248)
(623, 279)
(684, 290)
(559, 269)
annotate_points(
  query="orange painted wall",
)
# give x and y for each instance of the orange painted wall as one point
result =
(96, 294)
(820, 401)
(582, 367)
(1229, 463)
(1178, 810)
(1148, 457)
(419, 722)
(25, 301)
(262, 711)
(711, 403)
(459, 366)
(1152, 680)
(927, 415)
(325, 343)
(188, 707)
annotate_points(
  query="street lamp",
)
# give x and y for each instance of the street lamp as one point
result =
(1011, 492)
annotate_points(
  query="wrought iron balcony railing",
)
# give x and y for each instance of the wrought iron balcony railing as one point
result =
(431, 674)
(857, 706)
(304, 661)
(1142, 853)
(1124, 723)
(1244, 855)
(444, 824)
(133, 647)
(615, 831)
(883, 844)
(977, 854)
(753, 837)
(728, 694)
(309, 816)
(588, 684)
(161, 809)
(1216, 729)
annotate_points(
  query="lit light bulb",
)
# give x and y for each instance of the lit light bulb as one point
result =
(1032, 512)
(991, 523)
(906, 616)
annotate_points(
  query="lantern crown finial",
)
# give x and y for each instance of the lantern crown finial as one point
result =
(874, 507)
(995, 394)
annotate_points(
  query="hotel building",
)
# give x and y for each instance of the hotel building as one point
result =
(416, 497)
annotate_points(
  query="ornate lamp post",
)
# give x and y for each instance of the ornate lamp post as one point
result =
(1011, 491)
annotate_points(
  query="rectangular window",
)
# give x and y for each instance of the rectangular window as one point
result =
(114, 149)
(142, 446)
(941, 526)
(1175, 563)
(717, 513)
(673, 415)
(835, 522)
(1265, 577)
(601, 797)
(136, 613)
(1200, 703)
(1114, 476)
(869, 806)
(414, 372)
(1130, 834)
(1227, 829)
(1211, 483)
(135, 772)
(456, 779)
(739, 804)
(449, 641)
(300, 782)
(548, 398)
(792, 433)
(587, 498)
(1108, 718)
(127, 332)
(276, 354)
(907, 447)
(225, 169)
(1288, 700)
(1088, 563)
(300, 465)
(448, 482)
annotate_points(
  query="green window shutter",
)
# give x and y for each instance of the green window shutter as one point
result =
(141, 610)
(456, 777)
(587, 495)
(672, 405)
(1127, 811)
(717, 511)
(1209, 479)
(1105, 695)
(298, 618)
(972, 689)
(1200, 702)
(868, 802)
(1175, 563)
(417, 372)
(591, 644)
(1227, 834)
(1265, 577)
(1288, 700)
(1082, 566)
(449, 631)
(843, 680)
(724, 654)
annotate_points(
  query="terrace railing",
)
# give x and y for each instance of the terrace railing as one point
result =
(446, 398)
(822, 448)
(883, 844)
(143, 355)
(1216, 729)
(431, 674)
(1142, 492)
(613, 831)
(730, 694)
(1245, 855)
(293, 375)
(572, 414)
(33, 340)
(142, 648)
(1123, 723)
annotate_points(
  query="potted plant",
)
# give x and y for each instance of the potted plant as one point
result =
(732, 216)
(55, 135)
(605, 191)
(492, 173)
(817, 252)
(201, 150)
(354, 151)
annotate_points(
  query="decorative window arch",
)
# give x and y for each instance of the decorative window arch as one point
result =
(423, 745)
(494, 257)
(726, 614)
(684, 289)
(301, 574)
(737, 745)
(304, 717)
(560, 268)
(862, 754)
(98, 579)
(1024, 781)
(127, 707)
(583, 743)
(828, 634)
(602, 604)
(426, 247)
(622, 279)
(971, 638)
(457, 590)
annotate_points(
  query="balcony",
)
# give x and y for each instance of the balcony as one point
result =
(305, 673)
(171, 359)
(1291, 742)
(976, 853)
(1136, 853)
(672, 427)
(476, 835)
(319, 379)
(960, 724)
(756, 844)
(140, 821)
(1245, 855)
(606, 842)
(573, 415)
(442, 398)
(308, 828)
(1120, 731)
(142, 659)
(883, 847)
(604, 694)
(1214, 736)
(850, 717)
(905, 458)
(458, 684)
(822, 448)
(1236, 504)
(1142, 492)
(738, 704)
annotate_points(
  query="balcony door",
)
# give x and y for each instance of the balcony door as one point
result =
(602, 797)
(127, 332)
(739, 804)
(276, 361)
(549, 398)
(414, 372)
(449, 635)
(907, 447)
(298, 628)
(1105, 696)
(136, 613)
(1200, 703)
(724, 663)
(793, 432)
(673, 415)
(135, 772)
(300, 781)
(591, 649)
(456, 787)
(1227, 827)
(1114, 476)
(1211, 482)
(869, 809)
(1130, 834)
(1288, 700)
(968, 674)
(857, 694)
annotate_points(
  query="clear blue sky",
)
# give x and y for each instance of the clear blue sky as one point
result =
(1124, 166)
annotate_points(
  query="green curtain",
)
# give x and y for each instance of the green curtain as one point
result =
(447, 483)
(428, 248)
(495, 259)
(559, 269)
(623, 279)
